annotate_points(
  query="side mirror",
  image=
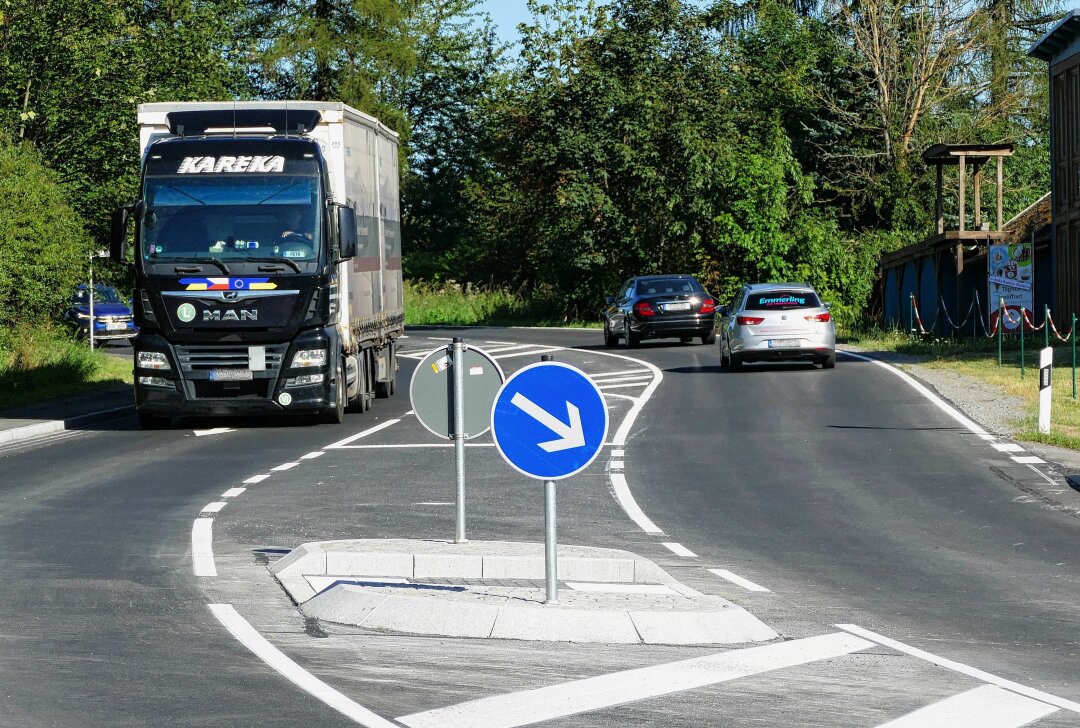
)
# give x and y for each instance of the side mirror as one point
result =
(346, 225)
(609, 300)
(118, 234)
(723, 311)
(828, 306)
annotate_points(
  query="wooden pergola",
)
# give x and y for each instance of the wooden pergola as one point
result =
(964, 155)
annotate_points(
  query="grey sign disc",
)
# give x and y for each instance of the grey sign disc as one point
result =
(432, 391)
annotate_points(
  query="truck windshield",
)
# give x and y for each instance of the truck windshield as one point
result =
(232, 218)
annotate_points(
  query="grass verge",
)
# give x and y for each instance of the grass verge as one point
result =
(978, 359)
(453, 304)
(43, 363)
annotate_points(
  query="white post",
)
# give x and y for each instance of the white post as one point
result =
(458, 358)
(91, 289)
(1046, 364)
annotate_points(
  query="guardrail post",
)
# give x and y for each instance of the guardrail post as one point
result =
(1023, 325)
(911, 314)
(1046, 325)
(1074, 354)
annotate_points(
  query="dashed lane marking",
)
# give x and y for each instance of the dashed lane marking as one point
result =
(1006, 447)
(233, 492)
(313, 455)
(256, 479)
(1028, 460)
(214, 507)
(679, 550)
(736, 579)
(594, 693)
(213, 431)
(202, 551)
(285, 466)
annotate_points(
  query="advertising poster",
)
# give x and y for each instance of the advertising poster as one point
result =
(1012, 277)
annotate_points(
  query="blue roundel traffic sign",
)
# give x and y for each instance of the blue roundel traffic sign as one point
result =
(549, 420)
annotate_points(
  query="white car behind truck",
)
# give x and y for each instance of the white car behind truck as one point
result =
(267, 260)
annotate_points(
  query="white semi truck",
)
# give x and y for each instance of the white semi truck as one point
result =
(267, 260)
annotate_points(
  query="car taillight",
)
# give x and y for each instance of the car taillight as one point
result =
(708, 306)
(749, 320)
(643, 308)
(822, 318)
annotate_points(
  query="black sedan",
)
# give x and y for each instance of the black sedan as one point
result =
(657, 307)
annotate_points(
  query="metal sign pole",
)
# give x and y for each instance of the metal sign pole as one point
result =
(551, 544)
(551, 566)
(458, 352)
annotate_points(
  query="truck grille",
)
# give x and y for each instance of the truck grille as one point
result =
(203, 358)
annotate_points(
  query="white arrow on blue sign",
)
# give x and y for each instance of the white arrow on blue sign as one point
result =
(549, 420)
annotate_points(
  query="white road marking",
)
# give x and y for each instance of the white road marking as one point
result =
(214, 507)
(512, 347)
(616, 375)
(538, 352)
(618, 453)
(623, 432)
(629, 505)
(616, 464)
(915, 384)
(679, 550)
(1006, 447)
(285, 466)
(313, 455)
(606, 387)
(214, 431)
(202, 549)
(608, 588)
(276, 659)
(962, 668)
(439, 338)
(987, 706)
(256, 479)
(736, 579)
(499, 342)
(419, 445)
(608, 395)
(365, 433)
(233, 492)
(557, 701)
(1027, 460)
(436, 503)
(987, 438)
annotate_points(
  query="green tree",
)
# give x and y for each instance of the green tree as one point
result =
(44, 248)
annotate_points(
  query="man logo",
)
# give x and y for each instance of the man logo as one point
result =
(241, 315)
(186, 313)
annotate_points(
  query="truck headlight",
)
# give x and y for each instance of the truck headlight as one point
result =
(309, 358)
(155, 382)
(152, 360)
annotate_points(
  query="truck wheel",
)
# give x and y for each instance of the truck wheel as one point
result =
(335, 415)
(387, 388)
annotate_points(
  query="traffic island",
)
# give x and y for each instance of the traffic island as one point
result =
(496, 590)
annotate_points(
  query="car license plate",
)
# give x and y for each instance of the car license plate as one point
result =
(230, 375)
(676, 306)
(116, 327)
(783, 343)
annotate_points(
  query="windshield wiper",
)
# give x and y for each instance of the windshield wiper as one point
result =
(268, 269)
(224, 268)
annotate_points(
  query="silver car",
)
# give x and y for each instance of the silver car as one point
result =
(774, 322)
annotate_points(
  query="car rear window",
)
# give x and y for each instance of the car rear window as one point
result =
(782, 300)
(673, 285)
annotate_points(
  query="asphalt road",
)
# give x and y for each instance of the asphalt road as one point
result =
(845, 493)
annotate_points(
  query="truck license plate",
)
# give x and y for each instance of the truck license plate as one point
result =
(230, 375)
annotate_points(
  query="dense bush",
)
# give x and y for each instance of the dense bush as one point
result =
(44, 248)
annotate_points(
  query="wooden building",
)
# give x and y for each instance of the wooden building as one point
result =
(947, 272)
(1060, 48)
